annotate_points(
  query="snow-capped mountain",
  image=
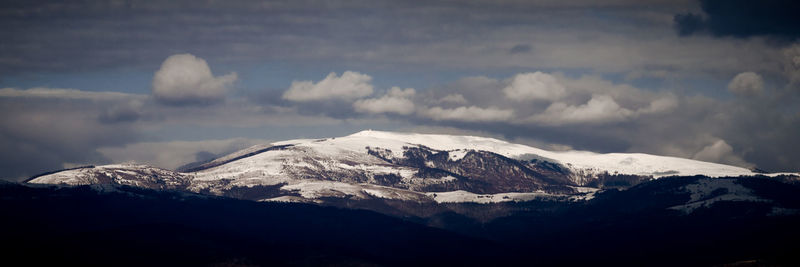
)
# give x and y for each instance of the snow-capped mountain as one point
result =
(401, 166)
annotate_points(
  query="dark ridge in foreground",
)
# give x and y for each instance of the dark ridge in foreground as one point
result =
(140, 227)
(118, 225)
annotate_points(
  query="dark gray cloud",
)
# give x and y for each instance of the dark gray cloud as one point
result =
(687, 100)
(124, 112)
(520, 48)
(689, 23)
(743, 18)
(44, 134)
(45, 129)
(95, 35)
(416, 37)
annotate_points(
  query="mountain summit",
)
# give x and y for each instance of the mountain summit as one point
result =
(400, 166)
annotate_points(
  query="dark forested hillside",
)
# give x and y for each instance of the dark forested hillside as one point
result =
(133, 226)
(143, 227)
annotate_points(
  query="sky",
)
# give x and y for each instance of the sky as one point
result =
(168, 83)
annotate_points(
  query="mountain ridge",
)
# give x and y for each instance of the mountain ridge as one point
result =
(405, 166)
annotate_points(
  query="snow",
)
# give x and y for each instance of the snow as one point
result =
(778, 211)
(317, 189)
(350, 153)
(584, 190)
(776, 174)
(416, 182)
(87, 176)
(582, 161)
(701, 194)
(458, 154)
(69, 177)
(394, 193)
(267, 165)
(589, 162)
(462, 196)
(342, 158)
(239, 153)
(289, 199)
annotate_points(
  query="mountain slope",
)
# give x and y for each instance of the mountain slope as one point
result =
(500, 204)
(403, 166)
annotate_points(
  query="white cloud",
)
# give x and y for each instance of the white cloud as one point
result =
(791, 63)
(73, 94)
(186, 79)
(721, 152)
(453, 98)
(468, 114)
(395, 101)
(660, 105)
(351, 85)
(746, 83)
(534, 86)
(599, 109)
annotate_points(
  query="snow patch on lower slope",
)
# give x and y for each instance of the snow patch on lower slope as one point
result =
(266, 165)
(319, 189)
(706, 192)
(779, 211)
(290, 199)
(458, 154)
(776, 174)
(311, 190)
(315, 189)
(462, 196)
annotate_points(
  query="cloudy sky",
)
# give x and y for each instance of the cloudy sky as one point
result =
(168, 83)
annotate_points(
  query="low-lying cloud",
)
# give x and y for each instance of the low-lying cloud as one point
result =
(721, 152)
(534, 86)
(395, 101)
(600, 109)
(468, 114)
(351, 85)
(746, 83)
(186, 79)
(174, 154)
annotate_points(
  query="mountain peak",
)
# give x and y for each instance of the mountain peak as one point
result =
(398, 165)
(381, 134)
